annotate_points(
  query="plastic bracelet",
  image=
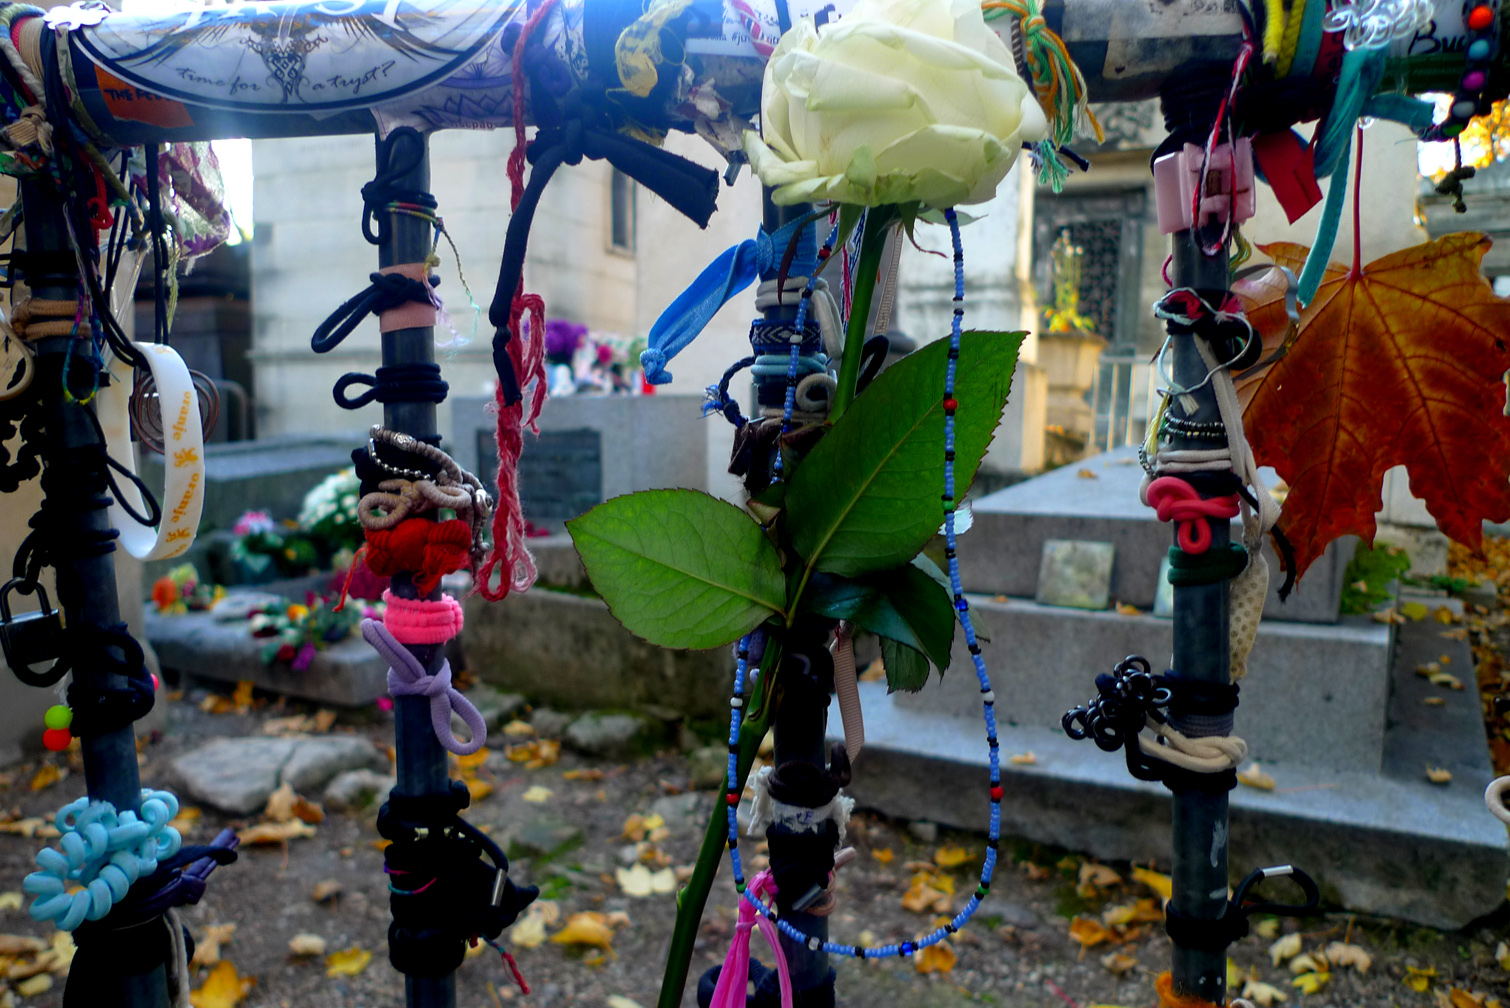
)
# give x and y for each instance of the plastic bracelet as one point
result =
(183, 454)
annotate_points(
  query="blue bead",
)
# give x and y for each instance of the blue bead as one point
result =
(1479, 50)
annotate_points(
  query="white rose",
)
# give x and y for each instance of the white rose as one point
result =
(900, 100)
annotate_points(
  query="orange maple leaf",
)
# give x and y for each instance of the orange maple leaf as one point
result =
(1399, 363)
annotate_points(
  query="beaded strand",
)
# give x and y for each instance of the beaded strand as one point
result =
(988, 698)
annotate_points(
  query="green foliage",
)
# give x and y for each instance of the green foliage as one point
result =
(1366, 585)
(868, 496)
(906, 668)
(680, 568)
(904, 604)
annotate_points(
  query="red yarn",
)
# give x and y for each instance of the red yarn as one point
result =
(527, 352)
(1173, 499)
(428, 550)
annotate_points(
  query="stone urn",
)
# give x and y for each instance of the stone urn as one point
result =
(1069, 360)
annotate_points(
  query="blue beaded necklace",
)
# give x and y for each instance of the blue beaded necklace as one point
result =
(988, 698)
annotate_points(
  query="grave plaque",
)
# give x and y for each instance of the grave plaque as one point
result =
(1075, 574)
(560, 472)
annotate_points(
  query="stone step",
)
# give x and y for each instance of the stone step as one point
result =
(1385, 842)
(1043, 661)
(1000, 555)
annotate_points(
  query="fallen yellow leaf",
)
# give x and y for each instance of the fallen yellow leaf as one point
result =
(1445, 615)
(529, 930)
(325, 891)
(1118, 963)
(1287, 947)
(1263, 995)
(347, 962)
(1459, 998)
(929, 893)
(1124, 609)
(620, 1001)
(1095, 877)
(1438, 775)
(241, 696)
(583, 773)
(10, 900)
(284, 804)
(1342, 954)
(1023, 759)
(1418, 978)
(480, 789)
(939, 958)
(1235, 974)
(1307, 963)
(883, 854)
(304, 945)
(1159, 883)
(31, 826)
(15, 945)
(1088, 932)
(518, 729)
(1254, 777)
(1502, 956)
(207, 948)
(1267, 929)
(638, 880)
(1446, 679)
(1144, 910)
(1310, 983)
(46, 776)
(538, 795)
(1434, 701)
(472, 762)
(586, 928)
(274, 833)
(223, 988)
(952, 857)
(33, 986)
(1416, 611)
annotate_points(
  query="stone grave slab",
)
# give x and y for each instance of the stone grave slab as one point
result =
(1000, 554)
(1075, 574)
(1044, 661)
(348, 673)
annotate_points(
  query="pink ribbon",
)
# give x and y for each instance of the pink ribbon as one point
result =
(734, 978)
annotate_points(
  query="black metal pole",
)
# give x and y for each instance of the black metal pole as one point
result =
(1201, 652)
(422, 766)
(85, 584)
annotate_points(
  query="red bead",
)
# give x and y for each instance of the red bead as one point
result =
(57, 739)
(997, 793)
(951, 404)
(823, 253)
(1480, 18)
(732, 798)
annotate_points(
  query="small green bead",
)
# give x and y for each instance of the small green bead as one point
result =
(58, 716)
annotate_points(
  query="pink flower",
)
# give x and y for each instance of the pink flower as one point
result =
(253, 522)
(303, 659)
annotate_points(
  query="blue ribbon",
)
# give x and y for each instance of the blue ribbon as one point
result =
(724, 277)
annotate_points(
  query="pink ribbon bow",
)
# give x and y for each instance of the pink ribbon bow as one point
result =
(735, 976)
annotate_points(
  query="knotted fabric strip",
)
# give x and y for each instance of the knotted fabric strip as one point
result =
(734, 978)
(407, 677)
(729, 274)
(847, 689)
(1173, 499)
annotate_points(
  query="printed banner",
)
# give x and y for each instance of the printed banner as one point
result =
(310, 56)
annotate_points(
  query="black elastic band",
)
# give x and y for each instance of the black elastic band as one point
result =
(386, 292)
(394, 383)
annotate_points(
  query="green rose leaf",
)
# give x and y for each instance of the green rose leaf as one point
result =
(868, 496)
(906, 668)
(680, 568)
(905, 605)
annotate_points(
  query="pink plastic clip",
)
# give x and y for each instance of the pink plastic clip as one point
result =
(1176, 175)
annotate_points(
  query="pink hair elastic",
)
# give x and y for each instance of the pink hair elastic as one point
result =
(416, 621)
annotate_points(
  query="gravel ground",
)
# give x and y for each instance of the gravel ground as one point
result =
(1019, 952)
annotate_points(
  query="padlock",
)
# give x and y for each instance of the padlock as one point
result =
(33, 637)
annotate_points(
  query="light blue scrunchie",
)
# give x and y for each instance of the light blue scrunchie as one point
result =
(1362, 72)
(724, 277)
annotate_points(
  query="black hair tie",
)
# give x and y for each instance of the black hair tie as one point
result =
(395, 383)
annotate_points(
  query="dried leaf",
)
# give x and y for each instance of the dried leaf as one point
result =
(1459, 998)
(518, 729)
(1254, 777)
(46, 776)
(529, 930)
(586, 928)
(1094, 878)
(33, 986)
(14, 945)
(275, 833)
(1439, 775)
(304, 945)
(1125, 609)
(635, 880)
(223, 988)
(1024, 759)
(323, 720)
(470, 763)
(583, 774)
(280, 804)
(620, 1001)
(952, 857)
(207, 948)
(1446, 679)
(885, 855)
(939, 958)
(1267, 929)
(1143, 911)
(1118, 963)
(1310, 983)
(347, 962)
(1400, 365)
(1307, 963)
(1434, 701)
(929, 893)
(1414, 611)
(1262, 994)
(10, 900)
(325, 891)
(31, 826)
(1285, 948)
(1502, 956)
(241, 696)
(1089, 932)
(538, 795)
(1418, 978)
(1159, 883)
(480, 789)
(1342, 954)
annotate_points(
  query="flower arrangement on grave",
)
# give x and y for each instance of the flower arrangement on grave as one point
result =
(182, 590)
(296, 632)
(326, 534)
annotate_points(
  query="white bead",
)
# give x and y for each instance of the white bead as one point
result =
(814, 943)
(736, 702)
(989, 696)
